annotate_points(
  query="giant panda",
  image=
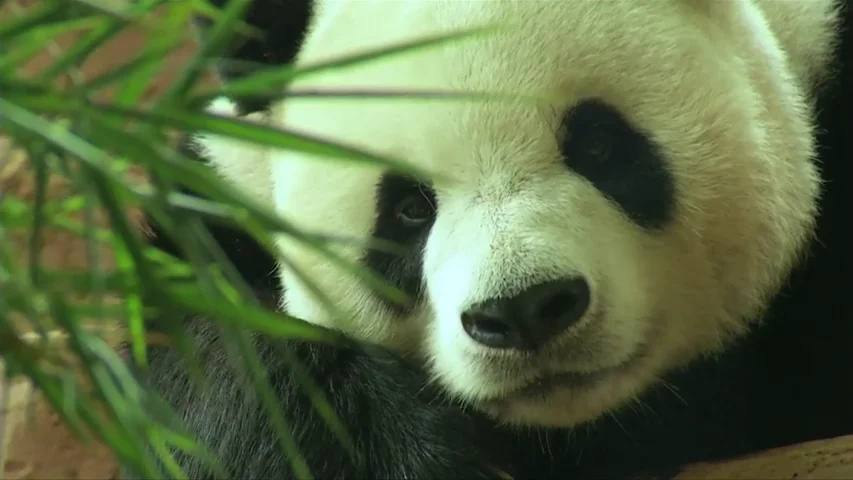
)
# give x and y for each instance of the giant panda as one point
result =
(646, 272)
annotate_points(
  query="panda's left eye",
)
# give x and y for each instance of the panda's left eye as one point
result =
(619, 159)
(593, 135)
(414, 210)
(405, 210)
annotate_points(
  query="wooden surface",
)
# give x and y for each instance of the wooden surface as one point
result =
(42, 448)
(819, 460)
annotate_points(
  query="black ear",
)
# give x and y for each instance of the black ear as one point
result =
(283, 24)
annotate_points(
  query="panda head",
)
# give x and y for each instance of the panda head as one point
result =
(572, 252)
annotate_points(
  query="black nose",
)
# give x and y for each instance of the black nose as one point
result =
(531, 318)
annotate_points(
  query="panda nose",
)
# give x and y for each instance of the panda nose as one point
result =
(531, 318)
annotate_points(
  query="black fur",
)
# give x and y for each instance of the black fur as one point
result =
(790, 381)
(256, 265)
(284, 22)
(403, 272)
(400, 429)
(620, 160)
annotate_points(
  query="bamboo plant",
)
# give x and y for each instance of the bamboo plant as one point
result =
(116, 154)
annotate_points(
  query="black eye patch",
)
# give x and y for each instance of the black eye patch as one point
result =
(406, 210)
(620, 160)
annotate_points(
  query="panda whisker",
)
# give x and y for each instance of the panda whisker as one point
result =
(615, 420)
(673, 390)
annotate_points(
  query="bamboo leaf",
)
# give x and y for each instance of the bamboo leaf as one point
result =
(215, 40)
(109, 28)
(279, 77)
(40, 14)
(238, 129)
(90, 147)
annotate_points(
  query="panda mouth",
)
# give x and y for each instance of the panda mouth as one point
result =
(544, 385)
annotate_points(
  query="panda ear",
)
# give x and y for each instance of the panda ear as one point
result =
(282, 24)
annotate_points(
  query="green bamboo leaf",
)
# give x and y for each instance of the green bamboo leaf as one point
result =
(14, 221)
(197, 173)
(156, 434)
(13, 58)
(278, 77)
(417, 95)
(93, 259)
(203, 180)
(215, 40)
(321, 403)
(47, 386)
(207, 12)
(98, 36)
(98, 161)
(107, 315)
(169, 462)
(41, 35)
(271, 137)
(372, 279)
(136, 81)
(105, 9)
(187, 298)
(91, 146)
(241, 345)
(133, 300)
(105, 369)
(13, 212)
(14, 24)
(41, 179)
(64, 206)
(136, 76)
(250, 132)
(80, 413)
(203, 238)
(80, 51)
(184, 442)
(79, 281)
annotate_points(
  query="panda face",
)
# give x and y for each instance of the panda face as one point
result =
(573, 251)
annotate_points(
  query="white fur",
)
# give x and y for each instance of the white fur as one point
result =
(723, 86)
(241, 162)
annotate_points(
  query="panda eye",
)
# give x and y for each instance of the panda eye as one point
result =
(621, 160)
(414, 210)
(591, 138)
